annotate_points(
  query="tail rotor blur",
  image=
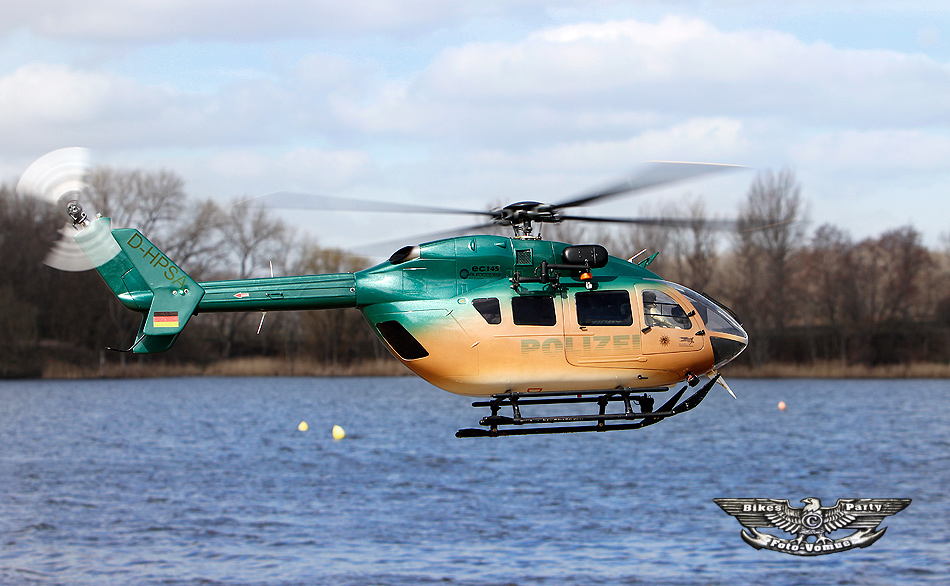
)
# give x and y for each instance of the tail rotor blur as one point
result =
(59, 178)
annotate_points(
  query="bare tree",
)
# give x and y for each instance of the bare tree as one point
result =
(572, 232)
(18, 336)
(892, 270)
(695, 254)
(632, 240)
(831, 282)
(907, 294)
(252, 237)
(27, 228)
(195, 242)
(771, 230)
(149, 202)
(336, 335)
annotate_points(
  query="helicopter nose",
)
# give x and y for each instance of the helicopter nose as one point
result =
(727, 337)
(725, 349)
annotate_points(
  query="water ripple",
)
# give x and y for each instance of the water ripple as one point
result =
(208, 481)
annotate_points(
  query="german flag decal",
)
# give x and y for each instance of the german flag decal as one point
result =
(165, 319)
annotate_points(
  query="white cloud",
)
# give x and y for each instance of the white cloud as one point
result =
(713, 139)
(45, 106)
(614, 80)
(54, 93)
(687, 66)
(51, 105)
(303, 169)
(877, 151)
(121, 21)
(552, 111)
(584, 82)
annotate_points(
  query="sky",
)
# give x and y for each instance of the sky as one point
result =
(475, 103)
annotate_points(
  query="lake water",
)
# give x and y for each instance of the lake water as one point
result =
(187, 481)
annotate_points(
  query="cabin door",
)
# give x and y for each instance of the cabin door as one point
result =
(601, 328)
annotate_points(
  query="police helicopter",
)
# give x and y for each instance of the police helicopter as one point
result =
(587, 340)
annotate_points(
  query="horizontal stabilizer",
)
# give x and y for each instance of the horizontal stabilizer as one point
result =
(175, 295)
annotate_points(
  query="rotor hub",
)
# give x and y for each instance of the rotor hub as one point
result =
(74, 210)
(522, 215)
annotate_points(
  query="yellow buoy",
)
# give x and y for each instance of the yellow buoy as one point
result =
(338, 432)
(781, 405)
(303, 426)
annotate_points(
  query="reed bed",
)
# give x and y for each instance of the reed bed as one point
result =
(837, 369)
(256, 366)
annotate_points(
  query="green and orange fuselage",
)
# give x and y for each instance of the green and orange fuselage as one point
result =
(468, 314)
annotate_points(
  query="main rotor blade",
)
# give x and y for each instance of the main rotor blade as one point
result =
(309, 201)
(652, 175)
(679, 223)
(376, 249)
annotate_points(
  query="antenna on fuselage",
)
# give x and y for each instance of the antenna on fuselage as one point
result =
(264, 313)
(636, 255)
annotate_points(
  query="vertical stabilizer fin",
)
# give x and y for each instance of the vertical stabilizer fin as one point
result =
(144, 280)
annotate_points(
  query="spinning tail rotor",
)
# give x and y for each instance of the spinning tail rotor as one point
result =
(59, 178)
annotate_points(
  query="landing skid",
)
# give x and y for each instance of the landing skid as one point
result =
(630, 418)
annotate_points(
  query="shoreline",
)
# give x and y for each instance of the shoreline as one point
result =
(235, 367)
(839, 370)
(264, 366)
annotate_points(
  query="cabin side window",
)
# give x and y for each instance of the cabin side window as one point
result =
(397, 336)
(533, 311)
(489, 308)
(603, 308)
(661, 311)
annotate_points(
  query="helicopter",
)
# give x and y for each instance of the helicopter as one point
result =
(517, 322)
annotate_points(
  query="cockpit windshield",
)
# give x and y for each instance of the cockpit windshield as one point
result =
(713, 315)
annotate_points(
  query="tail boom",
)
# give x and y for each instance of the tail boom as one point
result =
(147, 281)
(280, 293)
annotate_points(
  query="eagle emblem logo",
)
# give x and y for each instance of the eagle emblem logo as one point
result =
(811, 524)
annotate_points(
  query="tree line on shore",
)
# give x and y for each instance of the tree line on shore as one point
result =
(804, 295)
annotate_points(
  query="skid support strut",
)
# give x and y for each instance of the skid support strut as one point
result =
(496, 425)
